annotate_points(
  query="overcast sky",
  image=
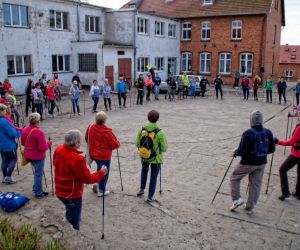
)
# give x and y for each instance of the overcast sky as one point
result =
(290, 34)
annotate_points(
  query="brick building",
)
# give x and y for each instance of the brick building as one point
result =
(289, 65)
(225, 36)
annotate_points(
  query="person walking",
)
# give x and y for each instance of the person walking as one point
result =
(193, 84)
(255, 84)
(218, 82)
(180, 88)
(203, 83)
(297, 91)
(35, 146)
(269, 87)
(51, 95)
(70, 175)
(256, 143)
(95, 94)
(74, 93)
(29, 97)
(237, 77)
(38, 98)
(148, 83)
(245, 86)
(185, 82)
(157, 82)
(140, 84)
(13, 104)
(121, 89)
(8, 146)
(7, 85)
(155, 159)
(106, 94)
(292, 160)
(172, 88)
(102, 141)
(281, 89)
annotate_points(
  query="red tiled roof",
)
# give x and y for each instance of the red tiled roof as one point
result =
(290, 54)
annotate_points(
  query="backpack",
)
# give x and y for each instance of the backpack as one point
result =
(146, 149)
(12, 201)
(261, 143)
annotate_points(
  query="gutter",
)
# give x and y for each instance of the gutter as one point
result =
(134, 44)
(78, 22)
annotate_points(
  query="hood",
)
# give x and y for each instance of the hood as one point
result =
(256, 118)
(101, 128)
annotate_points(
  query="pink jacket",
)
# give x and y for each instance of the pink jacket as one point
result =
(36, 145)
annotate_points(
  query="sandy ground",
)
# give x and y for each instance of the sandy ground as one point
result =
(201, 134)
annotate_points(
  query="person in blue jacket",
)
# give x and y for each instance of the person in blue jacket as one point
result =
(121, 90)
(297, 90)
(157, 82)
(8, 146)
(281, 89)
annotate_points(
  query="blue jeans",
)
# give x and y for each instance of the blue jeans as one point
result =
(9, 160)
(75, 105)
(37, 187)
(73, 210)
(39, 108)
(156, 91)
(95, 100)
(102, 184)
(155, 168)
(246, 92)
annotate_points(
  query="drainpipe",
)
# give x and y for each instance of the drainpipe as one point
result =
(78, 22)
(134, 44)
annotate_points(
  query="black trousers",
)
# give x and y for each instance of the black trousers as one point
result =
(219, 89)
(140, 96)
(107, 100)
(202, 91)
(269, 95)
(236, 82)
(29, 104)
(52, 106)
(289, 163)
(297, 98)
(281, 93)
(122, 95)
(185, 91)
(255, 94)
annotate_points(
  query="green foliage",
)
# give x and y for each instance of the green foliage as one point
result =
(25, 237)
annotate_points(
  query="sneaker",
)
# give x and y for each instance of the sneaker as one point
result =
(150, 199)
(43, 195)
(124, 107)
(9, 180)
(249, 211)
(296, 196)
(3, 180)
(140, 193)
(236, 204)
(78, 114)
(284, 196)
(95, 189)
(100, 194)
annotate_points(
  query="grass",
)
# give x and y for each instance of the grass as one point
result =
(25, 237)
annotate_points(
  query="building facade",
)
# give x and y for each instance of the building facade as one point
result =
(289, 66)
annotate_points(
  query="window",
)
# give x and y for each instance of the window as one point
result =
(142, 63)
(19, 65)
(236, 30)
(225, 63)
(246, 61)
(159, 63)
(159, 28)
(15, 15)
(186, 62)
(58, 20)
(92, 24)
(186, 31)
(60, 63)
(293, 57)
(87, 62)
(205, 63)
(172, 65)
(172, 30)
(207, 2)
(205, 30)
(142, 26)
(289, 73)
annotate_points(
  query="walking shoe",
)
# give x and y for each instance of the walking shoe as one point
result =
(296, 196)
(41, 196)
(249, 211)
(140, 193)
(284, 196)
(9, 180)
(236, 204)
(109, 108)
(100, 194)
(95, 189)
(150, 199)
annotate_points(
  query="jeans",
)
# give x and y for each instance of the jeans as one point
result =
(95, 100)
(140, 96)
(193, 91)
(39, 108)
(219, 89)
(155, 168)
(122, 95)
(246, 92)
(107, 100)
(172, 95)
(269, 95)
(102, 183)
(282, 93)
(38, 177)
(9, 160)
(75, 105)
(289, 163)
(51, 107)
(73, 210)
(156, 91)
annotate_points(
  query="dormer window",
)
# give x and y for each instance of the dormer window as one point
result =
(294, 50)
(293, 57)
(208, 2)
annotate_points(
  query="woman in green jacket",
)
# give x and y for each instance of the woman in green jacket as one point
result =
(269, 87)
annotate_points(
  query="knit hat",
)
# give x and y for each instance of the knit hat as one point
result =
(153, 116)
(256, 118)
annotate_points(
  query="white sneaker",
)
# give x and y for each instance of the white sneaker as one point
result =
(236, 204)
(9, 180)
(100, 194)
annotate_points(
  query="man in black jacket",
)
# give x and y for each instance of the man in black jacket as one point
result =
(218, 86)
(140, 84)
(203, 84)
(256, 143)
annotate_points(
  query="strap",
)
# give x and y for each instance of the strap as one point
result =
(29, 135)
(89, 129)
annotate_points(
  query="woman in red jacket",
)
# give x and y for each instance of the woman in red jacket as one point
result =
(71, 173)
(290, 162)
(102, 142)
(51, 95)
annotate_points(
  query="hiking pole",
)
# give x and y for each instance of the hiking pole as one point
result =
(51, 167)
(270, 173)
(222, 180)
(130, 97)
(83, 102)
(120, 170)
(286, 134)
(113, 94)
(102, 237)
(160, 181)
(291, 126)
(45, 180)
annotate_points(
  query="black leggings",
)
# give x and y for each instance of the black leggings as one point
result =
(105, 103)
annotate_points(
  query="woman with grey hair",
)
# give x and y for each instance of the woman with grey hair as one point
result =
(71, 173)
(34, 141)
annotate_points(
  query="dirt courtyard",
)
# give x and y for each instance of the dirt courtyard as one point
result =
(201, 133)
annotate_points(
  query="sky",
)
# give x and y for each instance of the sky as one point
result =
(290, 33)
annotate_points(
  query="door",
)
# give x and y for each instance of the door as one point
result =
(125, 69)
(109, 74)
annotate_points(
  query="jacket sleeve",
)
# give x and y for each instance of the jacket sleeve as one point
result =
(295, 139)
(11, 131)
(163, 143)
(138, 139)
(42, 143)
(243, 146)
(113, 141)
(271, 148)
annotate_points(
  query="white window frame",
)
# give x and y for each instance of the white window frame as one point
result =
(23, 65)
(185, 31)
(208, 2)
(145, 24)
(64, 63)
(172, 30)
(236, 25)
(62, 20)
(185, 61)
(20, 16)
(142, 68)
(160, 63)
(247, 71)
(224, 61)
(205, 57)
(205, 29)
(159, 28)
(94, 20)
(172, 62)
(289, 73)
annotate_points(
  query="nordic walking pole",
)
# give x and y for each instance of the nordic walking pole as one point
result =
(160, 181)
(270, 173)
(222, 180)
(50, 149)
(102, 237)
(83, 102)
(120, 170)
(45, 180)
(291, 126)
(286, 134)
(130, 97)
(113, 94)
